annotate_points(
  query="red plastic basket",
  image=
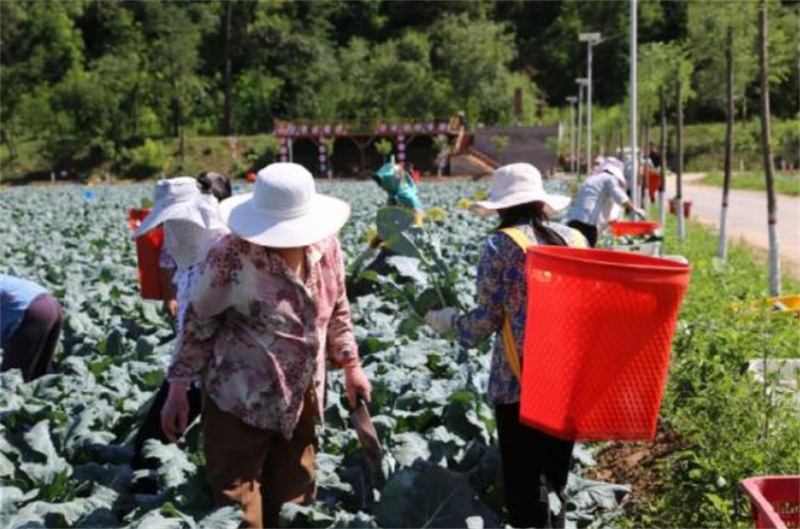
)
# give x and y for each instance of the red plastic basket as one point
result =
(774, 501)
(597, 341)
(622, 228)
(148, 252)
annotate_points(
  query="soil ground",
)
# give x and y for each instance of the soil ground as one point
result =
(636, 464)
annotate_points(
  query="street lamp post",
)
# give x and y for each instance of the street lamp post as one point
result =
(582, 85)
(572, 100)
(591, 39)
(634, 154)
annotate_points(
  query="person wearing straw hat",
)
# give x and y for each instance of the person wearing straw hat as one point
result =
(592, 208)
(192, 224)
(268, 310)
(209, 183)
(534, 463)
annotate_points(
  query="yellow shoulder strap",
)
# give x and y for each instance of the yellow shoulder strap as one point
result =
(518, 236)
(509, 344)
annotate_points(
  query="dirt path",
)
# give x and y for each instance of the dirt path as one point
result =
(747, 216)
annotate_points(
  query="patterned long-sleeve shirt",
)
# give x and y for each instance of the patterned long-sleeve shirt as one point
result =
(260, 336)
(502, 289)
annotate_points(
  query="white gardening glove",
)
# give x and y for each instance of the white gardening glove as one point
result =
(441, 321)
(639, 213)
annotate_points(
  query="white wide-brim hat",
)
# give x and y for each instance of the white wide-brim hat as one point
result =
(284, 210)
(180, 199)
(612, 168)
(515, 184)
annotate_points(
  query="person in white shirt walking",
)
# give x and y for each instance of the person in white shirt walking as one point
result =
(591, 209)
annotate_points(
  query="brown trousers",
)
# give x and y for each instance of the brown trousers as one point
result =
(259, 469)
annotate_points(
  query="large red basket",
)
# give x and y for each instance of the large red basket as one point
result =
(148, 252)
(633, 228)
(597, 341)
(774, 501)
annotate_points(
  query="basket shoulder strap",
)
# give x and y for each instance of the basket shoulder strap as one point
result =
(509, 344)
(518, 236)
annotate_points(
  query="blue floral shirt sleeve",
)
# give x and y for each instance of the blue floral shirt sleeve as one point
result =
(502, 289)
(487, 318)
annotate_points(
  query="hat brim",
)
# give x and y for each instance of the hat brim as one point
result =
(195, 211)
(325, 217)
(553, 203)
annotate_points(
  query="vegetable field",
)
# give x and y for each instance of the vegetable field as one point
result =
(65, 439)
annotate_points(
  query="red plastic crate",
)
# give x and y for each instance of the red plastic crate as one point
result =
(597, 341)
(621, 228)
(774, 501)
(148, 253)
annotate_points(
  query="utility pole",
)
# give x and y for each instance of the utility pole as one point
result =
(582, 84)
(591, 39)
(572, 100)
(634, 154)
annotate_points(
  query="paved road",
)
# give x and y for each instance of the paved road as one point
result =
(747, 216)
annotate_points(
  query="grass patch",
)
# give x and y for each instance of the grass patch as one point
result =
(785, 183)
(730, 426)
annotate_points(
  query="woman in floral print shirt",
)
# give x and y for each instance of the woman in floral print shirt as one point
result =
(534, 463)
(269, 308)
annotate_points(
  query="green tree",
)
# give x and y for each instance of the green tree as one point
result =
(384, 148)
(473, 55)
(722, 45)
(39, 44)
(708, 24)
(174, 55)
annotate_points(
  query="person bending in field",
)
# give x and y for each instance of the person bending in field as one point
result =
(192, 223)
(400, 188)
(592, 208)
(401, 191)
(30, 325)
(269, 309)
(534, 463)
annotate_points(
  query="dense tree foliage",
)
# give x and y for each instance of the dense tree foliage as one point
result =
(96, 78)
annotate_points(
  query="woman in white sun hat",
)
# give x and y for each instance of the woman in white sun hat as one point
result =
(268, 311)
(534, 463)
(192, 224)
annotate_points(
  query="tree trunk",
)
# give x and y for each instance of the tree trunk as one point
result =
(176, 118)
(766, 150)
(644, 169)
(722, 250)
(662, 211)
(679, 173)
(181, 132)
(5, 137)
(227, 120)
(135, 111)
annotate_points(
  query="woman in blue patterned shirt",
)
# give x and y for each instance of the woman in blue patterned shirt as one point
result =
(534, 463)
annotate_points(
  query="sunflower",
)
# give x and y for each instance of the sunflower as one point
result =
(436, 214)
